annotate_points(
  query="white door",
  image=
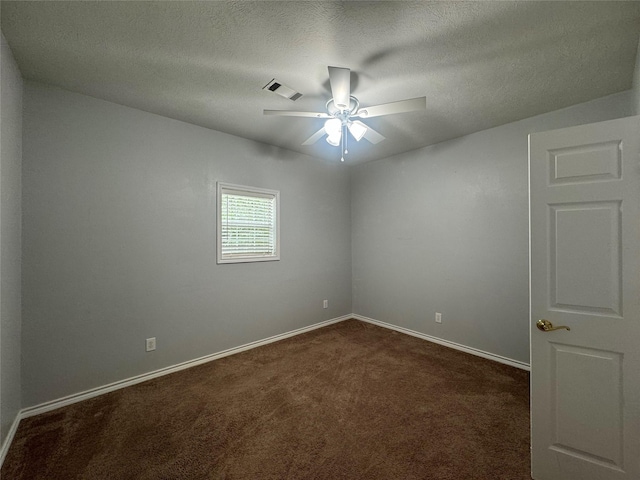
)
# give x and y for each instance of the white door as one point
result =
(585, 274)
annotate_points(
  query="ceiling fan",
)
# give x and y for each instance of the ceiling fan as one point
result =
(344, 111)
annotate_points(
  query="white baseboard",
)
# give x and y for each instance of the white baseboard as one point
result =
(446, 343)
(94, 392)
(4, 448)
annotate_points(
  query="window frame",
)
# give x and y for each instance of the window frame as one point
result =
(223, 187)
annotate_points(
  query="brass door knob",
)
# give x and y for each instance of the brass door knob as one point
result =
(547, 326)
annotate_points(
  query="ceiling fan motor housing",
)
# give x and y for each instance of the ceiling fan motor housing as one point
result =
(337, 112)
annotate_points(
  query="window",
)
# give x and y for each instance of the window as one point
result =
(248, 224)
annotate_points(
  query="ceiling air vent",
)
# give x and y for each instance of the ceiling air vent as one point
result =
(282, 90)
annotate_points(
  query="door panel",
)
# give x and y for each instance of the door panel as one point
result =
(585, 269)
(584, 408)
(589, 163)
(585, 275)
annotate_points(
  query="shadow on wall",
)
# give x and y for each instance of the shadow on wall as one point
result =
(439, 123)
(279, 153)
(273, 151)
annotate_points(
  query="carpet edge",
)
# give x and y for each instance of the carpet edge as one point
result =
(4, 448)
(446, 343)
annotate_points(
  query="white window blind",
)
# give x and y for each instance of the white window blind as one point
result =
(247, 224)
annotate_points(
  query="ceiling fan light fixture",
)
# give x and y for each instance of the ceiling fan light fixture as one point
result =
(357, 129)
(333, 126)
(334, 139)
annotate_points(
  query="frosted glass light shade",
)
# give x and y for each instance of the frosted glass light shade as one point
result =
(357, 129)
(333, 126)
(334, 139)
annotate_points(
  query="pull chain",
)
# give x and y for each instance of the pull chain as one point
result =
(344, 143)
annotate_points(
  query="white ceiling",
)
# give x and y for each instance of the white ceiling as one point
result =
(480, 64)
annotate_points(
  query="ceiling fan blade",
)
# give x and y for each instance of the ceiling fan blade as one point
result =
(340, 79)
(402, 106)
(293, 113)
(315, 137)
(373, 136)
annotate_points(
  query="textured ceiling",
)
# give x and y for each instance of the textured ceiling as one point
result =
(480, 64)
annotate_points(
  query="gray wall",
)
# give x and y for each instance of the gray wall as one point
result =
(10, 237)
(119, 240)
(445, 229)
(119, 243)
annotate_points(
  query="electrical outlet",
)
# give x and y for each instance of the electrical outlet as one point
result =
(325, 304)
(438, 317)
(151, 344)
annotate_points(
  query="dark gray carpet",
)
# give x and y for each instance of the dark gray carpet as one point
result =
(348, 401)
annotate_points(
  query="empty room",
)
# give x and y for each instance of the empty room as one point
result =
(320, 240)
